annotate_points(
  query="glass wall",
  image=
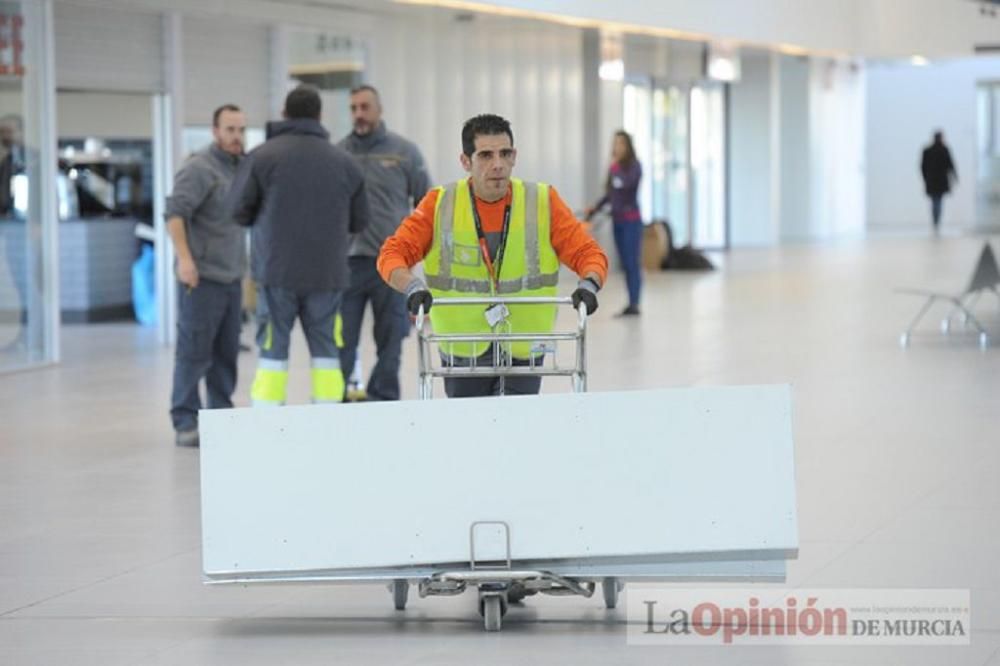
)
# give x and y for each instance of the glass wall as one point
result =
(708, 166)
(988, 155)
(28, 310)
(680, 139)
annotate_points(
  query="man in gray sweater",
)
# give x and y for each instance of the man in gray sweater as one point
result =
(302, 196)
(395, 178)
(211, 258)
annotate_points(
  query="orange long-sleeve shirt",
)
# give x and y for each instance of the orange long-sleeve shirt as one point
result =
(573, 245)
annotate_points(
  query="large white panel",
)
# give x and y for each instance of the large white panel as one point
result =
(677, 471)
(225, 61)
(102, 49)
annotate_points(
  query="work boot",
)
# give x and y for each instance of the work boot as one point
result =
(630, 311)
(188, 438)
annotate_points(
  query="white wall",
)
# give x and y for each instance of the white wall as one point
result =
(797, 150)
(837, 138)
(754, 189)
(104, 115)
(434, 73)
(819, 23)
(905, 104)
(869, 28)
(225, 62)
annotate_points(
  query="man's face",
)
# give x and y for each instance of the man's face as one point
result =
(230, 132)
(490, 165)
(366, 113)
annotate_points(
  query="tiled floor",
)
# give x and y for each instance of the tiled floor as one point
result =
(897, 463)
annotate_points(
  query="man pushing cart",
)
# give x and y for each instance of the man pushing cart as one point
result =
(491, 247)
(491, 236)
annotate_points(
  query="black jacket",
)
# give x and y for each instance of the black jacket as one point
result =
(303, 196)
(937, 168)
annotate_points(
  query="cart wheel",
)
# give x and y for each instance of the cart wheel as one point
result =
(492, 609)
(611, 587)
(400, 593)
(516, 593)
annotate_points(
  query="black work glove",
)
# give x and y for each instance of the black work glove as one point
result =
(586, 292)
(417, 294)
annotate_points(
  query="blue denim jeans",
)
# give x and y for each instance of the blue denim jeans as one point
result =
(628, 242)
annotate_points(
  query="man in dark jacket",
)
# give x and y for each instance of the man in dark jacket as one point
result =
(938, 171)
(303, 196)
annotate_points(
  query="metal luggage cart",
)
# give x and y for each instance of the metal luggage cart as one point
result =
(498, 582)
(271, 516)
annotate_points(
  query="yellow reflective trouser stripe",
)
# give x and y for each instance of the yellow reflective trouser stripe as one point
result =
(338, 331)
(269, 384)
(268, 337)
(327, 381)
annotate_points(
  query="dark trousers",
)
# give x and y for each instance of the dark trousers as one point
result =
(628, 242)
(474, 387)
(208, 344)
(936, 200)
(391, 325)
(277, 310)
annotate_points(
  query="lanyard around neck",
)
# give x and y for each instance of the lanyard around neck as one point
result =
(492, 266)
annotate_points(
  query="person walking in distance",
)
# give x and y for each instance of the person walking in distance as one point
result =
(939, 174)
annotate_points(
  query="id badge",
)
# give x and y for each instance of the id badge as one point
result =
(496, 314)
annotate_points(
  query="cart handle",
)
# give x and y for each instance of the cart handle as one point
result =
(516, 300)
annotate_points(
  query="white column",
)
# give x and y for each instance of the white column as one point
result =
(167, 152)
(40, 105)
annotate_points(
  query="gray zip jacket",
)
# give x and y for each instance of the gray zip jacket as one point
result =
(395, 178)
(303, 196)
(217, 244)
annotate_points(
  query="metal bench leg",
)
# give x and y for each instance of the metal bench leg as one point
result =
(984, 338)
(904, 340)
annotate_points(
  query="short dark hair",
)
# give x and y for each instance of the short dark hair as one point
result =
(363, 87)
(218, 112)
(303, 102)
(483, 124)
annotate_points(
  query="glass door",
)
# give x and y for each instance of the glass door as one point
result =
(670, 160)
(707, 194)
(638, 121)
(988, 155)
(29, 310)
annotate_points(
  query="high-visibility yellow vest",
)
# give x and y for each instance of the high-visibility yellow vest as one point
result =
(454, 267)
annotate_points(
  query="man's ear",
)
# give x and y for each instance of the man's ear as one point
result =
(513, 157)
(466, 162)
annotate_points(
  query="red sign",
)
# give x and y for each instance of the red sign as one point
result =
(11, 45)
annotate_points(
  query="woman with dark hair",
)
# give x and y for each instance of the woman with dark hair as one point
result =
(621, 191)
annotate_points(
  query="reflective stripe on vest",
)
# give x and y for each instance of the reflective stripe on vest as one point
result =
(454, 265)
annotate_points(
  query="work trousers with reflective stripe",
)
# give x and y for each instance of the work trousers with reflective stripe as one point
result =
(208, 344)
(277, 310)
